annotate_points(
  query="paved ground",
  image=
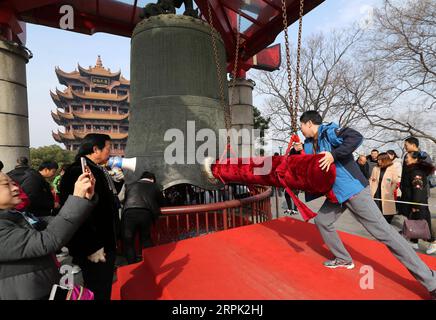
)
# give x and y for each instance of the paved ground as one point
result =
(345, 223)
(349, 224)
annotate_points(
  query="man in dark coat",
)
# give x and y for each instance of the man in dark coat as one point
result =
(20, 169)
(372, 161)
(363, 165)
(93, 246)
(143, 200)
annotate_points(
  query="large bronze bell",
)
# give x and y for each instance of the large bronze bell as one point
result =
(173, 80)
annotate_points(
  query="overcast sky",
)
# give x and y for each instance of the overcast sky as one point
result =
(54, 47)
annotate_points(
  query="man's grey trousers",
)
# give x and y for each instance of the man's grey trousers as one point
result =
(368, 214)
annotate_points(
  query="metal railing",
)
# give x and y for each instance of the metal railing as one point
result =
(188, 221)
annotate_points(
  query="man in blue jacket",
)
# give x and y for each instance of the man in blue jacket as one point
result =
(352, 192)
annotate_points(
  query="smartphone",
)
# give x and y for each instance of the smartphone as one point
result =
(83, 163)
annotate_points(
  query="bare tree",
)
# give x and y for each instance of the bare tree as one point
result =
(402, 43)
(379, 80)
(326, 63)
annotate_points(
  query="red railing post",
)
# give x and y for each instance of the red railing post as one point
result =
(277, 201)
(258, 205)
(241, 214)
(225, 226)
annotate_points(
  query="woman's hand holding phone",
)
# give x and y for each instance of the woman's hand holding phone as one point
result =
(85, 185)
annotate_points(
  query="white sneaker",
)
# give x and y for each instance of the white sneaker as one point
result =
(338, 263)
(291, 212)
(431, 249)
(76, 269)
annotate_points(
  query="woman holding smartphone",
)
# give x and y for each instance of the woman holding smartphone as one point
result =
(28, 244)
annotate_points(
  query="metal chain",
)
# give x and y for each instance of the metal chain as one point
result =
(288, 67)
(293, 102)
(219, 70)
(297, 74)
(226, 107)
(235, 66)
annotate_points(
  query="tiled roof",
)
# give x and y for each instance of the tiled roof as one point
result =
(60, 136)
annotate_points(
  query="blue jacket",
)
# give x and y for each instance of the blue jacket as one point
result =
(341, 143)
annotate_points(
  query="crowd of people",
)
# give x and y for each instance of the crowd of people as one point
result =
(79, 210)
(397, 186)
(401, 186)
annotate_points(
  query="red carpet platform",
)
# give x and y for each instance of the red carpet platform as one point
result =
(279, 259)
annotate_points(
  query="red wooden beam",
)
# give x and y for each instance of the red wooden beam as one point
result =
(119, 18)
(268, 59)
(27, 5)
(10, 27)
(267, 35)
(272, 4)
(86, 19)
(246, 16)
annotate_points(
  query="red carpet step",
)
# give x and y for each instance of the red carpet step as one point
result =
(278, 259)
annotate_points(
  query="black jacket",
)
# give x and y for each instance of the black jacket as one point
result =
(144, 194)
(37, 189)
(405, 172)
(98, 230)
(18, 173)
(364, 168)
(371, 164)
(414, 185)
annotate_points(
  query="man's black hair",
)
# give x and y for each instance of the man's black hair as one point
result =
(148, 175)
(50, 165)
(412, 140)
(1, 166)
(23, 161)
(311, 115)
(421, 156)
(65, 166)
(374, 150)
(90, 141)
(392, 153)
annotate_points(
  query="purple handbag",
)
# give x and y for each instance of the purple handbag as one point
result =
(76, 293)
(416, 229)
(80, 293)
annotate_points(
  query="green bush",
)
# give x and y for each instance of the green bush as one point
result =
(50, 153)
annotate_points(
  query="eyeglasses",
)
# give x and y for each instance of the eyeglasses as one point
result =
(8, 183)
